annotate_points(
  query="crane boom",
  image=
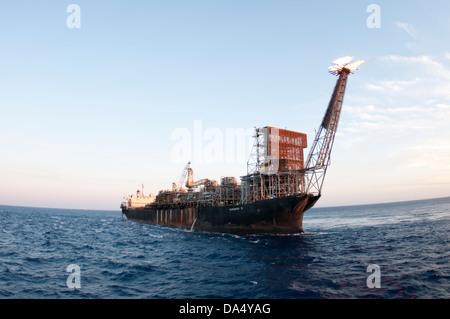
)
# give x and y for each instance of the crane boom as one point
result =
(183, 176)
(201, 182)
(319, 155)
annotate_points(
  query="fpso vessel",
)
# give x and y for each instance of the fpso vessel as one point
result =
(272, 198)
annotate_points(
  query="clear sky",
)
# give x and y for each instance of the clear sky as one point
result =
(89, 114)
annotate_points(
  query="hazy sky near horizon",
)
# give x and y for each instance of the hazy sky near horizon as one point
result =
(89, 114)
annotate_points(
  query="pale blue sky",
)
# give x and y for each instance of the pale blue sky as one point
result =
(88, 114)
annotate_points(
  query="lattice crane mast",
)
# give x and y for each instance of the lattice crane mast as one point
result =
(319, 155)
(179, 186)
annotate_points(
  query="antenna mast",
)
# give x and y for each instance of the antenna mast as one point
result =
(319, 155)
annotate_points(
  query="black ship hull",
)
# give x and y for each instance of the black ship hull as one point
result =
(275, 216)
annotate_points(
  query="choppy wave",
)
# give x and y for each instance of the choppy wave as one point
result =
(121, 259)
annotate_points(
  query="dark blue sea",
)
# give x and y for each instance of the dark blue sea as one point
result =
(408, 241)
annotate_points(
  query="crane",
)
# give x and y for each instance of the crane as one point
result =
(201, 182)
(179, 185)
(319, 155)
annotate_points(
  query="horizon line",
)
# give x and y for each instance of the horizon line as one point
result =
(334, 206)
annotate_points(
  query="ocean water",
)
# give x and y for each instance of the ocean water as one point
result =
(409, 242)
